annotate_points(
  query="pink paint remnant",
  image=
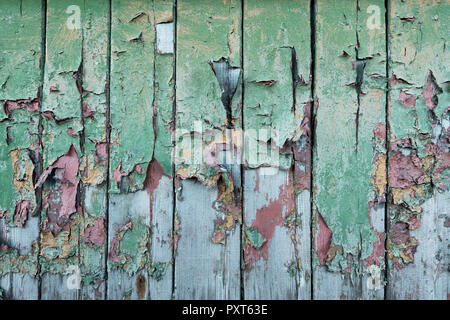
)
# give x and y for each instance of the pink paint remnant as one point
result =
(100, 152)
(30, 105)
(302, 152)
(431, 91)
(61, 203)
(267, 218)
(117, 175)
(87, 112)
(21, 212)
(377, 254)
(407, 100)
(114, 251)
(322, 239)
(405, 171)
(95, 234)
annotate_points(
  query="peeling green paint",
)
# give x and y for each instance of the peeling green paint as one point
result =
(132, 78)
(254, 238)
(350, 112)
(418, 116)
(158, 270)
(128, 250)
(20, 82)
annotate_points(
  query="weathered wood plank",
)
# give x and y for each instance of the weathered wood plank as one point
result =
(132, 147)
(349, 151)
(419, 153)
(160, 174)
(207, 262)
(93, 168)
(20, 83)
(277, 59)
(61, 130)
(129, 237)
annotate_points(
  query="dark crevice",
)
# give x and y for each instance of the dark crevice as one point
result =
(360, 64)
(40, 129)
(174, 125)
(108, 143)
(387, 147)
(312, 124)
(228, 77)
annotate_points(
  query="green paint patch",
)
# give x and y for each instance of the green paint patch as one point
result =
(157, 270)
(128, 249)
(254, 238)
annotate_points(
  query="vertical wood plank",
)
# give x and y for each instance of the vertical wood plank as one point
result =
(277, 59)
(132, 147)
(208, 51)
(349, 152)
(419, 154)
(94, 166)
(20, 83)
(160, 180)
(62, 149)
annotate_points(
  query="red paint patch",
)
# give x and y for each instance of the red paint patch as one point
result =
(431, 91)
(87, 112)
(30, 105)
(117, 175)
(100, 152)
(114, 246)
(407, 100)
(405, 171)
(95, 234)
(267, 219)
(21, 212)
(60, 203)
(377, 255)
(322, 239)
(302, 152)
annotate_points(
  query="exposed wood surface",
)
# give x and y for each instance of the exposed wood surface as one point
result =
(236, 149)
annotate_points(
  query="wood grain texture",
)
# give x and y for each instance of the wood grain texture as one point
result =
(93, 167)
(161, 181)
(419, 152)
(206, 263)
(61, 128)
(349, 152)
(276, 103)
(21, 52)
(236, 149)
(132, 147)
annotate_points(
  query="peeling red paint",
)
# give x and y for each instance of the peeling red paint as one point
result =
(394, 79)
(71, 133)
(95, 234)
(380, 131)
(61, 203)
(100, 152)
(267, 83)
(117, 175)
(405, 171)
(302, 153)
(267, 218)
(21, 212)
(407, 100)
(30, 105)
(377, 255)
(87, 112)
(154, 174)
(322, 239)
(430, 92)
(114, 246)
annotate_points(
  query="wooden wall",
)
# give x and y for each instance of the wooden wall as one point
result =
(235, 149)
